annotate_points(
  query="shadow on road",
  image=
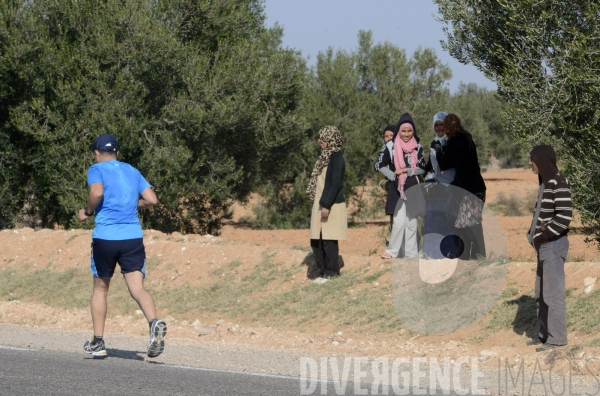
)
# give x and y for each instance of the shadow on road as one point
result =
(129, 355)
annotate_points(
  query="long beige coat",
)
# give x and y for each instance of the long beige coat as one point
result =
(335, 227)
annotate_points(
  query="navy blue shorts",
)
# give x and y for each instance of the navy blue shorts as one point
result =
(129, 253)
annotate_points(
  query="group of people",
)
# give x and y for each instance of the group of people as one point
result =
(452, 161)
(452, 221)
(454, 194)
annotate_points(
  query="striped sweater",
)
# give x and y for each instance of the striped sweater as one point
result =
(555, 212)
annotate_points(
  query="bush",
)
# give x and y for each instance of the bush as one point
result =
(201, 96)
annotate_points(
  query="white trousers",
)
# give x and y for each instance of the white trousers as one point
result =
(403, 230)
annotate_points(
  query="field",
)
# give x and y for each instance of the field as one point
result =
(249, 286)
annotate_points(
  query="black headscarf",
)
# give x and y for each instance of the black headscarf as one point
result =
(404, 118)
(388, 128)
(544, 158)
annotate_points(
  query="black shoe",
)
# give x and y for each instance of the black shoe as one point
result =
(158, 331)
(96, 349)
(535, 341)
(546, 347)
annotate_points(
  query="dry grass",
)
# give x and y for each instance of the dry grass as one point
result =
(520, 313)
(583, 312)
(270, 294)
(514, 205)
(265, 296)
(259, 298)
(62, 289)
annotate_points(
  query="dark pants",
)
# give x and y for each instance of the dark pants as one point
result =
(468, 242)
(464, 243)
(435, 227)
(326, 255)
(550, 291)
(473, 242)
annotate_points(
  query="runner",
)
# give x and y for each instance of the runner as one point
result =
(114, 197)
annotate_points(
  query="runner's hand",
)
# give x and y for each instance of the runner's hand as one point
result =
(82, 215)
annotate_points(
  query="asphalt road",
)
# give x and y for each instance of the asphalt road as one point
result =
(45, 372)
(50, 361)
(36, 372)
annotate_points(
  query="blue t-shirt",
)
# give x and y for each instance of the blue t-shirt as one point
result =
(117, 214)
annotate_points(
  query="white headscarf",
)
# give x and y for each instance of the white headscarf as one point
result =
(440, 116)
(446, 176)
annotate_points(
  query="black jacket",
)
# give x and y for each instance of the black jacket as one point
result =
(459, 155)
(333, 192)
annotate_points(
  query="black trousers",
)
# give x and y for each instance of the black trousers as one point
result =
(326, 255)
(473, 242)
(464, 243)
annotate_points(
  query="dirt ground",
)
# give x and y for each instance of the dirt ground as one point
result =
(190, 256)
(369, 241)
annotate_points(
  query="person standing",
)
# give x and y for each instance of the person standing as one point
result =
(404, 163)
(388, 133)
(435, 173)
(435, 224)
(328, 222)
(387, 185)
(466, 201)
(548, 236)
(117, 191)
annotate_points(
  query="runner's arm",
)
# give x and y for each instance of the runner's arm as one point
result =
(148, 199)
(94, 197)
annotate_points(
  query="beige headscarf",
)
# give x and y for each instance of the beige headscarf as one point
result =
(332, 136)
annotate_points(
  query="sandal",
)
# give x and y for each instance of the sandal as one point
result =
(386, 255)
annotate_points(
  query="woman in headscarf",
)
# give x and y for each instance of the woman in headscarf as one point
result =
(435, 174)
(406, 161)
(467, 203)
(435, 224)
(388, 145)
(328, 222)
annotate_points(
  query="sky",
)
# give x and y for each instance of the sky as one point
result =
(312, 26)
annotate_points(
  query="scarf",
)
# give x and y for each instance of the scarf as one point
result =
(400, 147)
(439, 116)
(332, 136)
(432, 155)
(443, 140)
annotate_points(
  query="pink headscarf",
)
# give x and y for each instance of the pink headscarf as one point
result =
(400, 147)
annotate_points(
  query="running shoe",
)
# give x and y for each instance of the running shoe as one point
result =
(158, 331)
(96, 349)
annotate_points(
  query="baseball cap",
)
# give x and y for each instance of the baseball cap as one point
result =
(105, 142)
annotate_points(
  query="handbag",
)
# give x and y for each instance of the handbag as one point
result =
(470, 212)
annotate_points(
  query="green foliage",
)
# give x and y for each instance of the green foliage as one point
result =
(361, 92)
(479, 111)
(508, 206)
(207, 104)
(200, 96)
(543, 56)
